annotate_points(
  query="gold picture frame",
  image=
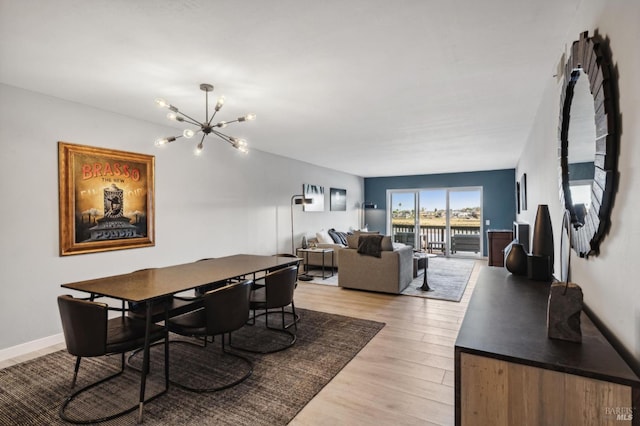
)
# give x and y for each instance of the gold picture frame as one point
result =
(106, 199)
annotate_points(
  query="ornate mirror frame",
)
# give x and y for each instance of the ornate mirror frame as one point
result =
(590, 56)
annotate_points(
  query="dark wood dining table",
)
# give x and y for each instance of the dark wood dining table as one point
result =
(155, 284)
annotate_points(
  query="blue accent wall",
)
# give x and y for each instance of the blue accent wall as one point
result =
(498, 189)
(581, 171)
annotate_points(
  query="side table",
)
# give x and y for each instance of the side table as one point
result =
(421, 261)
(323, 252)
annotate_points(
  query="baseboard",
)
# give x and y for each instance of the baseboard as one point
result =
(32, 346)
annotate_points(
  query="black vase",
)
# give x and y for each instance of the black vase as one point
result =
(542, 244)
(515, 259)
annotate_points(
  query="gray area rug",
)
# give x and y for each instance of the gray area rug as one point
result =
(281, 385)
(447, 278)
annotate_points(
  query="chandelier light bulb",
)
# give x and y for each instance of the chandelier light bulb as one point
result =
(219, 103)
(199, 149)
(250, 117)
(161, 102)
(188, 133)
(222, 124)
(164, 141)
(172, 116)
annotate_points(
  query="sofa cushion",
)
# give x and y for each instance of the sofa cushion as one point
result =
(324, 237)
(370, 245)
(387, 244)
(352, 241)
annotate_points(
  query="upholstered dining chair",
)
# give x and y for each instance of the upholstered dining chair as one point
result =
(226, 310)
(272, 298)
(89, 333)
(173, 305)
(296, 317)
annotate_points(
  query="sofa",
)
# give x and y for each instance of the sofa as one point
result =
(326, 239)
(392, 272)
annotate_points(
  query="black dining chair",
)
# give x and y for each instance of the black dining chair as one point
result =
(272, 298)
(225, 310)
(201, 290)
(295, 316)
(89, 333)
(172, 305)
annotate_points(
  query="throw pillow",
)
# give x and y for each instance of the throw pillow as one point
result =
(387, 244)
(338, 237)
(370, 245)
(352, 241)
(324, 237)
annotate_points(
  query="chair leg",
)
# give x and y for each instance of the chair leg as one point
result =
(224, 352)
(284, 330)
(75, 372)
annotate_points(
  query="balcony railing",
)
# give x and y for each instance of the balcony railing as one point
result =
(432, 233)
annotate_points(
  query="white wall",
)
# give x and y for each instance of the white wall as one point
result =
(609, 281)
(218, 204)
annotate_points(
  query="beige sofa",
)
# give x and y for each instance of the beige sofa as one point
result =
(390, 273)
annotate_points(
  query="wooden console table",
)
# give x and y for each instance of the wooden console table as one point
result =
(507, 371)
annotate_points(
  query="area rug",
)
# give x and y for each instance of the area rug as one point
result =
(447, 278)
(281, 385)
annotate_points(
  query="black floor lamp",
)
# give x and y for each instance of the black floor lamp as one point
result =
(298, 199)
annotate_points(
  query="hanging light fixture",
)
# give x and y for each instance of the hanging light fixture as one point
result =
(207, 127)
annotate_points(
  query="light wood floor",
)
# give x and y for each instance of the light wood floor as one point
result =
(404, 376)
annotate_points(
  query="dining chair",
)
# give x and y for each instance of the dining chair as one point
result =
(272, 298)
(89, 333)
(173, 305)
(225, 310)
(295, 316)
(201, 290)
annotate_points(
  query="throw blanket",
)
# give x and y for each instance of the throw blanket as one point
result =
(370, 245)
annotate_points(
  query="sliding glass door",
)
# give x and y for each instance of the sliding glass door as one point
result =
(465, 222)
(445, 221)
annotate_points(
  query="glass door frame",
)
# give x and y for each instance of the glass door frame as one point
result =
(416, 207)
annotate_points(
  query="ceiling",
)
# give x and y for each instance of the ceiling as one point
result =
(368, 87)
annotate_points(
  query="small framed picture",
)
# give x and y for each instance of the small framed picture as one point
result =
(338, 199)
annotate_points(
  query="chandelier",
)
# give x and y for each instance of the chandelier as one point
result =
(207, 126)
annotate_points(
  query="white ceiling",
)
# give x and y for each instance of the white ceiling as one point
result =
(369, 87)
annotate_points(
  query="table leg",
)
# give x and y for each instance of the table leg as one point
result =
(145, 360)
(425, 284)
(305, 276)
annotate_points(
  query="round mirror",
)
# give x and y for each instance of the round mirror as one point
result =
(581, 151)
(588, 143)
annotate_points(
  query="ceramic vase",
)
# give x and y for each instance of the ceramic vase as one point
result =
(542, 244)
(516, 259)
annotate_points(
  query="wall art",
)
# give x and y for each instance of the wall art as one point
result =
(316, 193)
(338, 199)
(106, 199)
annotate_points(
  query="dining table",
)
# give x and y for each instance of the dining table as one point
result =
(153, 285)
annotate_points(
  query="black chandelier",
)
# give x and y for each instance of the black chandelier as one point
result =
(207, 126)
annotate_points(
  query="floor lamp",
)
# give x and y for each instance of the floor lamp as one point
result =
(298, 199)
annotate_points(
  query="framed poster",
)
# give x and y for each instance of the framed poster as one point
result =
(523, 191)
(338, 199)
(316, 193)
(106, 199)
